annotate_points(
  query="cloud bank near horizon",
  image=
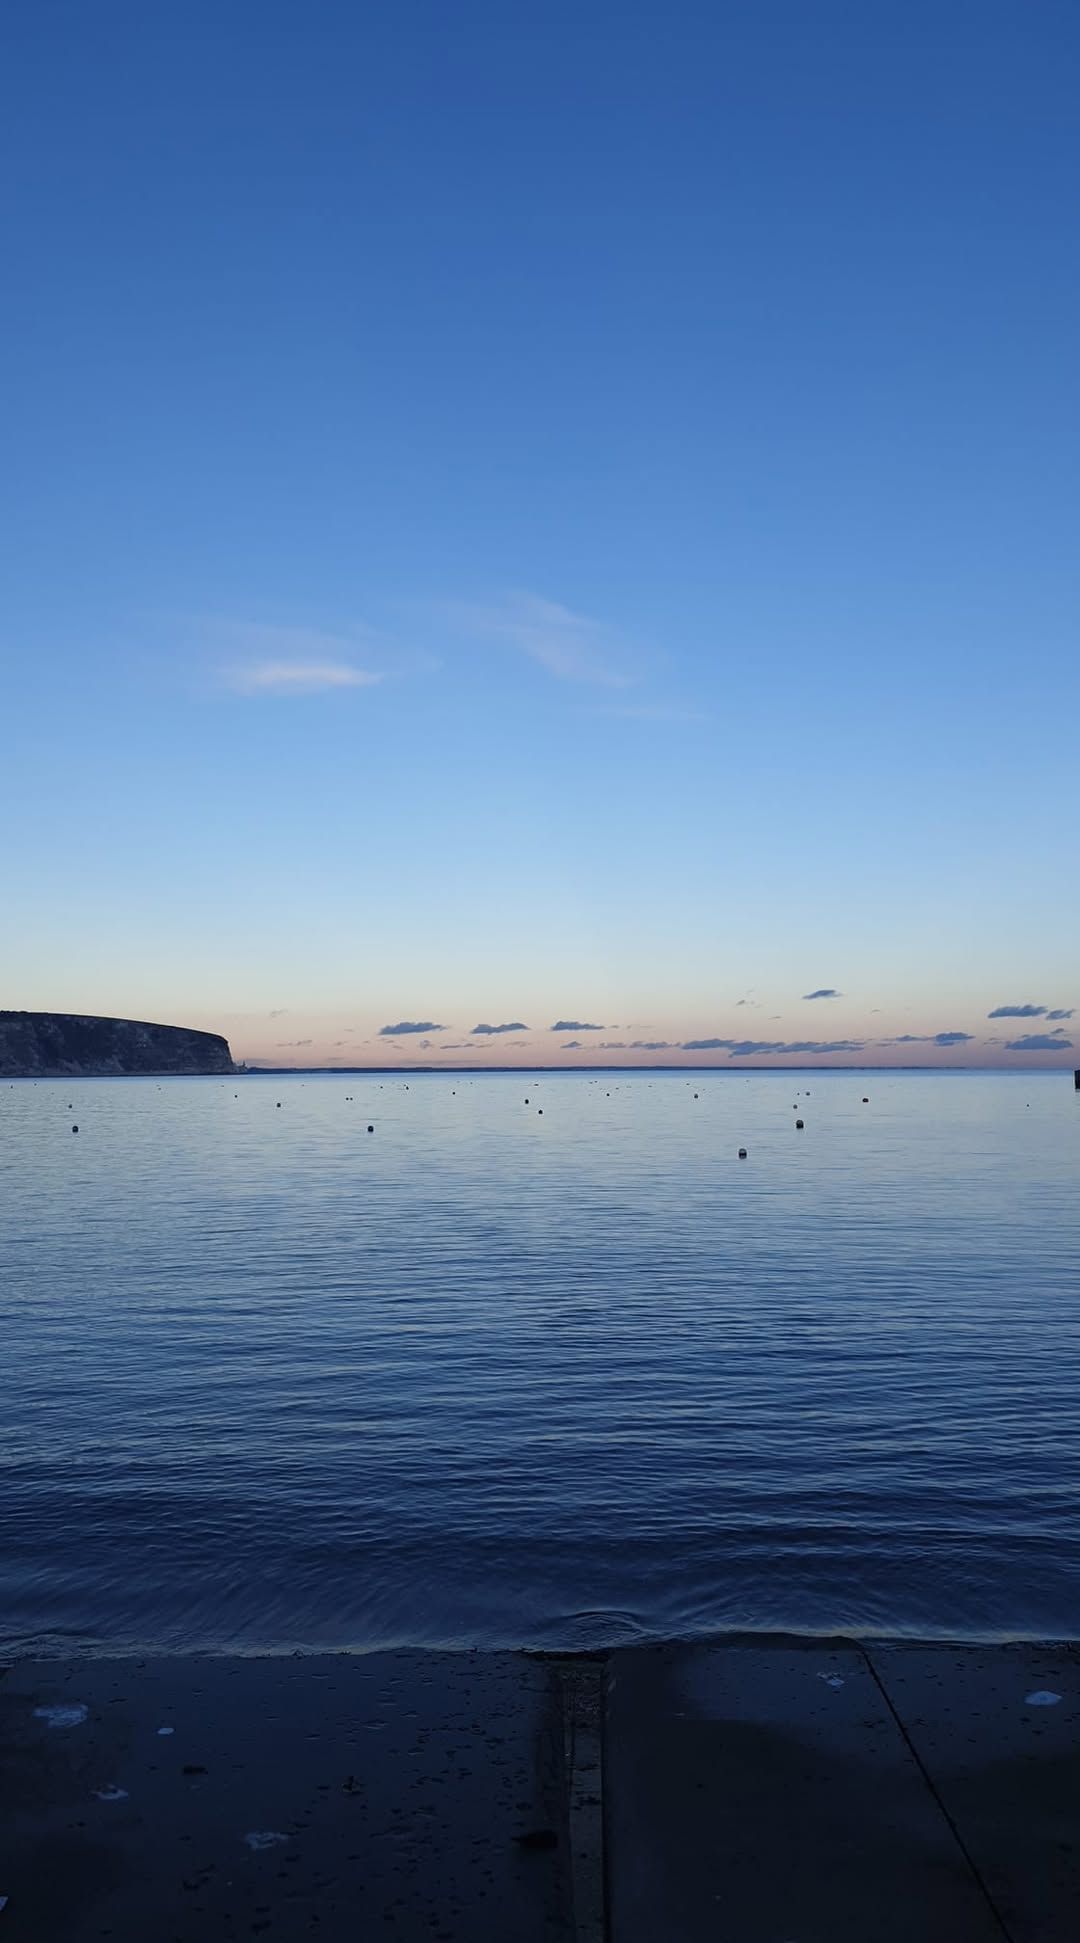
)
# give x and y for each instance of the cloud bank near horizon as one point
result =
(744, 1048)
(409, 1025)
(929, 1039)
(1039, 1042)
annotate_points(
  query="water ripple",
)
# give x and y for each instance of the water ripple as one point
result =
(492, 1378)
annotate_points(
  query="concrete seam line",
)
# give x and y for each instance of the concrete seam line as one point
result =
(580, 1684)
(923, 1770)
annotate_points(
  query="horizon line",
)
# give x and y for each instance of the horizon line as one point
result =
(651, 1066)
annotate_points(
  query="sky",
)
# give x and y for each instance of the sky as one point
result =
(552, 518)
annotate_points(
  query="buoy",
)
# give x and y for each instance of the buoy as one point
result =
(865, 1100)
(74, 1129)
(742, 1153)
(371, 1129)
(539, 1109)
(798, 1123)
(279, 1103)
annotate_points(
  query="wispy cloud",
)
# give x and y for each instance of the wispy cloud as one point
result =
(1017, 1012)
(285, 1044)
(254, 658)
(572, 1045)
(1061, 1012)
(296, 677)
(823, 991)
(1039, 1042)
(576, 1025)
(490, 1030)
(572, 647)
(409, 1025)
(279, 1012)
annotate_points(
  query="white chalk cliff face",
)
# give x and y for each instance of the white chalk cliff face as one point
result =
(44, 1045)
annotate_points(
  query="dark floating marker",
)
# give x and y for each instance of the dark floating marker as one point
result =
(74, 1129)
(865, 1100)
(539, 1109)
(742, 1153)
(800, 1123)
(279, 1102)
(371, 1129)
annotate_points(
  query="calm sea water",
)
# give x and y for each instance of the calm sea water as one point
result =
(497, 1376)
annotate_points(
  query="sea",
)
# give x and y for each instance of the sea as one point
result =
(513, 1359)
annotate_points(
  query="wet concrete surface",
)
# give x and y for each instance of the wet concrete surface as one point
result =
(767, 1790)
(997, 1731)
(405, 1795)
(767, 1793)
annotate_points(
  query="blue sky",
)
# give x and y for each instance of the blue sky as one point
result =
(530, 514)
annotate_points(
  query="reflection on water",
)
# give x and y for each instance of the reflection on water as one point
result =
(492, 1376)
